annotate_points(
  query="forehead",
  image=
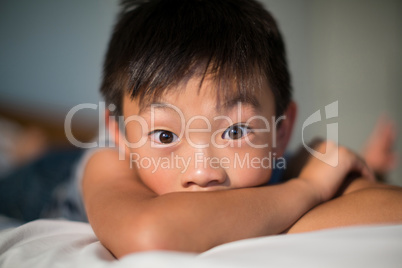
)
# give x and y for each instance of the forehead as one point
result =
(221, 95)
(225, 93)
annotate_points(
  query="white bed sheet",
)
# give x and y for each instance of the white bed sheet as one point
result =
(60, 243)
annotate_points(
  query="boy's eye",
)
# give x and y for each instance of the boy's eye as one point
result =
(236, 132)
(163, 136)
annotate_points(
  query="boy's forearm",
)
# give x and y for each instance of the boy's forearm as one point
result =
(368, 204)
(357, 184)
(204, 220)
(194, 221)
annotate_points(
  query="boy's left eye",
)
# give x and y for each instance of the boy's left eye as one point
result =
(236, 132)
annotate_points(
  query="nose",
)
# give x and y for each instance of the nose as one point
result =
(204, 174)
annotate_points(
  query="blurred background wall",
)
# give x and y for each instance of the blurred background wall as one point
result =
(339, 50)
(347, 51)
(51, 54)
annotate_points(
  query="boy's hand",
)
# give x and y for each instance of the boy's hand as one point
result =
(379, 150)
(325, 179)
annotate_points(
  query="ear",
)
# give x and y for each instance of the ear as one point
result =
(113, 129)
(285, 127)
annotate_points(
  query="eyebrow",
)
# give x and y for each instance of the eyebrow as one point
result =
(226, 106)
(160, 105)
(249, 99)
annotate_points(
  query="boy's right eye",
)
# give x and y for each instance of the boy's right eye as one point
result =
(163, 137)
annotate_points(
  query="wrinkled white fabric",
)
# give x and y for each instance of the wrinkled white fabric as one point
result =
(60, 243)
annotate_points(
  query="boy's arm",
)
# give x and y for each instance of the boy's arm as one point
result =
(360, 201)
(127, 216)
(370, 203)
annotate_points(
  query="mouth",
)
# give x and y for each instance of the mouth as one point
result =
(193, 187)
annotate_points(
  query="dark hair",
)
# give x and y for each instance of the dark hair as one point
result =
(157, 44)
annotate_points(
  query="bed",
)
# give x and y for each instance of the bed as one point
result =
(61, 243)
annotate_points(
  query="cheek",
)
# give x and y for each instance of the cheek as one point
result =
(158, 180)
(251, 177)
(251, 167)
(155, 170)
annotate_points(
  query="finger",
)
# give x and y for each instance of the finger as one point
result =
(368, 174)
(392, 162)
(361, 166)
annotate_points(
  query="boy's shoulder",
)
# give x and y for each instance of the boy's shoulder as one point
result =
(106, 163)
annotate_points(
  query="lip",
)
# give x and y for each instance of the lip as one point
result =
(196, 188)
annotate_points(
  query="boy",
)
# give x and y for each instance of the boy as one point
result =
(204, 91)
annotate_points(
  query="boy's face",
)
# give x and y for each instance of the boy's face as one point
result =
(185, 142)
